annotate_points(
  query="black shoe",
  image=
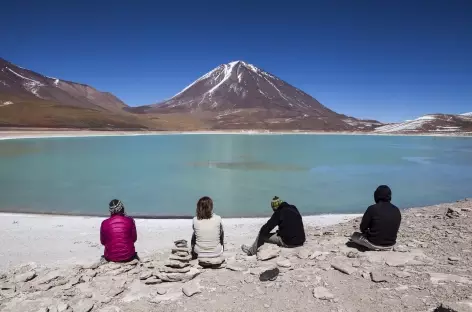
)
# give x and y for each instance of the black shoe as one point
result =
(269, 275)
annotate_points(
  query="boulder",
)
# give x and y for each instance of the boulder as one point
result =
(322, 293)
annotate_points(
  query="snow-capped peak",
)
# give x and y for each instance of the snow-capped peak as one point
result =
(467, 114)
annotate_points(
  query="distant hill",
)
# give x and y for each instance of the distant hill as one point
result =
(434, 123)
(239, 95)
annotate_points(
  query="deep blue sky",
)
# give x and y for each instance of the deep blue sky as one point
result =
(388, 60)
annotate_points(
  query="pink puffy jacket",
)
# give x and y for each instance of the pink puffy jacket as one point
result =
(118, 235)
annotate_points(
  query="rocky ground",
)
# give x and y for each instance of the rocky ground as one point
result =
(429, 270)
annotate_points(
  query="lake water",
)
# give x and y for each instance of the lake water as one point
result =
(164, 175)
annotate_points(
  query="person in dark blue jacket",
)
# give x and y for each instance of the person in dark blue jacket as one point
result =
(291, 232)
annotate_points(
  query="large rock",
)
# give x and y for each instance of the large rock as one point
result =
(436, 278)
(267, 254)
(322, 293)
(465, 306)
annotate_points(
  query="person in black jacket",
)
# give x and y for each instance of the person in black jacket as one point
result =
(380, 223)
(291, 232)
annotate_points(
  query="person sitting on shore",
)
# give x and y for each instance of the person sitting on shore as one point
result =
(118, 234)
(291, 232)
(208, 236)
(380, 223)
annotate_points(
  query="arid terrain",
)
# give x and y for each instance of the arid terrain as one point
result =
(429, 270)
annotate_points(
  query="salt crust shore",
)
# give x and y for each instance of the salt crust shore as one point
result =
(67, 240)
(40, 134)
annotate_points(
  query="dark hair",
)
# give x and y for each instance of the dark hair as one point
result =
(383, 194)
(204, 208)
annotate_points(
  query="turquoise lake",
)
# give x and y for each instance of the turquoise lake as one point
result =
(164, 175)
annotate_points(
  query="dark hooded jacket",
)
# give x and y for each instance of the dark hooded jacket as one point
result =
(290, 223)
(381, 221)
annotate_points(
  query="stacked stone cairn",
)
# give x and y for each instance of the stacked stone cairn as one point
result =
(177, 268)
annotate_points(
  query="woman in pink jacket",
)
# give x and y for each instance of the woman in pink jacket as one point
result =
(118, 234)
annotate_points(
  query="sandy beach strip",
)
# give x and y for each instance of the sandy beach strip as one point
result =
(68, 240)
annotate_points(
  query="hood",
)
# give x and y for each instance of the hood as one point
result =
(383, 194)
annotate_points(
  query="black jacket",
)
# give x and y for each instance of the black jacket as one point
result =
(290, 223)
(381, 221)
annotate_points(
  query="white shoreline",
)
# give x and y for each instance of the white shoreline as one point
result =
(60, 241)
(16, 135)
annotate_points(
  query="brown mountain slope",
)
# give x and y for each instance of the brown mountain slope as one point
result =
(239, 95)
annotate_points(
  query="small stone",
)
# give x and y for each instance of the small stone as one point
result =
(62, 307)
(84, 306)
(303, 253)
(153, 281)
(145, 276)
(352, 254)
(161, 291)
(235, 268)
(316, 255)
(454, 259)
(177, 250)
(344, 268)
(25, 277)
(191, 289)
(284, 263)
(267, 254)
(211, 262)
(400, 248)
(43, 310)
(318, 233)
(176, 264)
(366, 275)
(180, 258)
(356, 263)
(322, 293)
(174, 270)
(402, 274)
(378, 277)
(266, 306)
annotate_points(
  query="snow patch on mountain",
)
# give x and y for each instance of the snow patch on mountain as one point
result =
(31, 85)
(5, 103)
(467, 114)
(409, 125)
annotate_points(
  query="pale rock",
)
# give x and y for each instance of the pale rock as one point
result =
(92, 266)
(145, 276)
(84, 306)
(322, 293)
(161, 291)
(174, 270)
(176, 264)
(25, 277)
(378, 277)
(454, 259)
(318, 233)
(110, 309)
(179, 277)
(436, 278)
(400, 248)
(267, 254)
(191, 289)
(402, 288)
(402, 274)
(284, 263)
(315, 255)
(266, 306)
(353, 254)
(152, 281)
(235, 268)
(180, 258)
(366, 275)
(356, 263)
(43, 310)
(344, 268)
(211, 262)
(62, 307)
(182, 250)
(303, 253)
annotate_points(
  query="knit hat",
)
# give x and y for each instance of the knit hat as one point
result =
(275, 203)
(116, 206)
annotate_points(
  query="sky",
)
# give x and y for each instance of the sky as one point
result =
(386, 60)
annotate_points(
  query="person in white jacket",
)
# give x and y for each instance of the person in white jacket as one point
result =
(208, 235)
